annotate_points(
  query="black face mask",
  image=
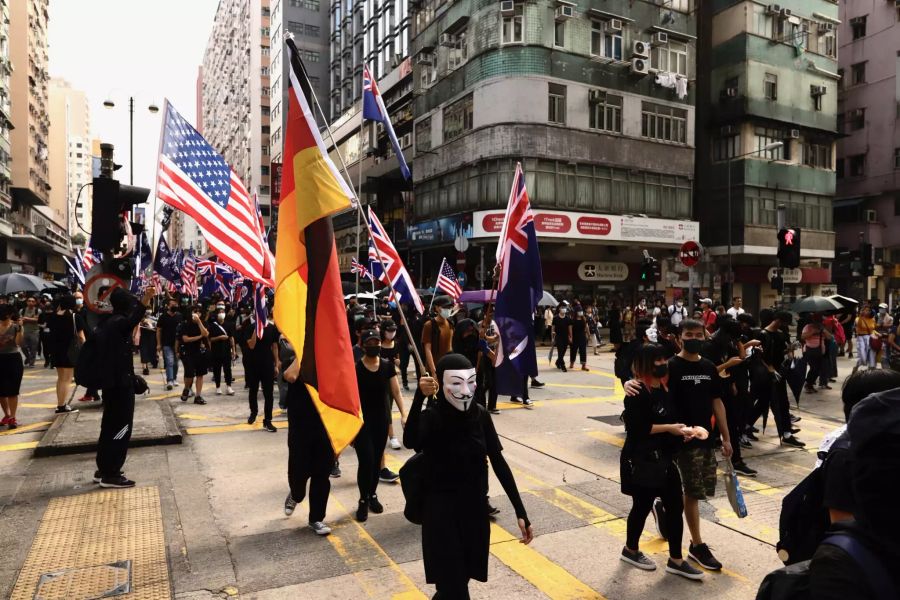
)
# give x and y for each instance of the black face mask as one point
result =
(372, 351)
(173, 309)
(660, 371)
(692, 346)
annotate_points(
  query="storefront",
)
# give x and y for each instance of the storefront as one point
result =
(754, 285)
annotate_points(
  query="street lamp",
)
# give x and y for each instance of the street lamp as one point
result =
(766, 148)
(153, 108)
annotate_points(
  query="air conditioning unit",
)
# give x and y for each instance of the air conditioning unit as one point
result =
(564, 12)
(826, 27)
(817, 90)
(660, 38)
(786, 13)
(640, 66)
(41, 230)
(641, 49)
(794, 134)
(596, 96)
(614, 25)
(871, 216)
(773, 9)
(507, 7)
(728, 130)
(424, 59)
(446, 39)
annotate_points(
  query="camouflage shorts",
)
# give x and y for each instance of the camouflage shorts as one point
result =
(698, 472)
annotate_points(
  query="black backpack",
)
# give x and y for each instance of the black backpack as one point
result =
(412, 482)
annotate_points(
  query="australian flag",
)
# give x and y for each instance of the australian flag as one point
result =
(520, 288)
(167, 263)
(374, 110)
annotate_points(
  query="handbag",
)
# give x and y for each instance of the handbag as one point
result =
(74, 348)
(733, 490)
(875, 342)
(412, 483)
(139, 384)
(648, 469)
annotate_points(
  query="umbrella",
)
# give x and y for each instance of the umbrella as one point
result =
(844, 301)
(548, 300)
(360, 296)
(796, 376)
(12, 283)
(816, 304)
(484, 296)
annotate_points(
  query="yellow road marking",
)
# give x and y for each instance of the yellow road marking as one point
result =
(231, 428)
(609, 438)
(537, 569)
(193, 417)
(37, 404)
(36, 392)
(19, 446)
(24, 428)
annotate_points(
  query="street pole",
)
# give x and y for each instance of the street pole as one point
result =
(131, 140)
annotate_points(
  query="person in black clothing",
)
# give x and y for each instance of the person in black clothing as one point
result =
(47, 310)
(310, 454)
(114, 350)
(456, 436)
(776, 347)
(405, 344)
(580, 334)
(193, 342)
(264, 364)
(65, 327)
(243, 331)
(653, 436)
(562, 336)
(166, 335)
(377, 380)
(221, 340)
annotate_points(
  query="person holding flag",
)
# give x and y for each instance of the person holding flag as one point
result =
(265, 361)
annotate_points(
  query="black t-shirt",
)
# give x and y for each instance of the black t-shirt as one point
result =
(168, 326)
(775, 344)
(578, 329)
(63, 328)
(189, 329)
(561, 327)
(838, 481)
(215, 329)
(374, 387)
(642, 412)
(262, 352)
(389, 354)
(693, 385)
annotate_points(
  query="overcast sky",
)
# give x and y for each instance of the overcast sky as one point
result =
(116, 48)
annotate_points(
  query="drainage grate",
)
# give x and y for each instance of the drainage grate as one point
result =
(614, 420)
(86, 583)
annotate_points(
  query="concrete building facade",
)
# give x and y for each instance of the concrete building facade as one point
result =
(867, 207)
(767, 74)
(6, 125)
(597, 103)
(70, 158)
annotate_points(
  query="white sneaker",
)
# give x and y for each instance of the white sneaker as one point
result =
(218, 391)
(229, 391)
(320, 528)
(395, 444)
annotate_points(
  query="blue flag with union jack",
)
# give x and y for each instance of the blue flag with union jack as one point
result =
(520, 288)
(374, 110)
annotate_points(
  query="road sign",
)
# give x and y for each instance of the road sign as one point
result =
(690, 253)
(462, 278)
(97, 291)
(461, 261)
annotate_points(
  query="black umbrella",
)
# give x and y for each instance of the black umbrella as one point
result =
(844, 301)
(814, 304)
(12, 283)
(796, 377)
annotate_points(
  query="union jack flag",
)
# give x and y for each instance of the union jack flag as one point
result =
(206, 267)
(392, 265)
(359, 268)
(446, 281)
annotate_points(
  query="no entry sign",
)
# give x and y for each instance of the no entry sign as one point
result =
(690, 253)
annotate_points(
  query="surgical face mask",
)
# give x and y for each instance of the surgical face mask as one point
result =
(79, 301)
(459, 388)
(562, 313)
(580, 314)
(372, 351)
(445, 312)
(692, 346)
(660, 371)
(389, 335)
(679, 304)
(220, 317)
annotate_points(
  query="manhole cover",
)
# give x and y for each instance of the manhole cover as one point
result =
(85, 583)
(614, 420)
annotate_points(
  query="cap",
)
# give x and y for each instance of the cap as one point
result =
(369, 334)
(706, 301)
(882, 305)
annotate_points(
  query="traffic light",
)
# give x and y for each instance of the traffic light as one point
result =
(651, 270)
(778, 283)
(110, 200)
(789, 248)
(866, 260)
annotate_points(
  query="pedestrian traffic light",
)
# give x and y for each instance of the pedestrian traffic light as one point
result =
(789, 248)
(651, 270)
(657, 270)
(110, 200)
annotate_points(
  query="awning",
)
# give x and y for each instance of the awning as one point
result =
(678, 35)
(608, 15)
(846, 202)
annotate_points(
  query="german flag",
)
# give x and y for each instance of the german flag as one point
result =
(309, 302)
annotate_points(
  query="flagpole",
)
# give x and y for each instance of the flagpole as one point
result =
(362, 125)
(289, 40)
(440, 270)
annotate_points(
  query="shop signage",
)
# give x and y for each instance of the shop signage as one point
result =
(789, 275)
(602, 271)
(446, 229)
(565, 224)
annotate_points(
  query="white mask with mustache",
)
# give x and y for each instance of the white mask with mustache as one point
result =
(459, 388)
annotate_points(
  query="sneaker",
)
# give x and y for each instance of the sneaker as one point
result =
(184, 396)
(387, 476)
(515, 399)
(584, 368)
(251, 419)
(792, 441)
(684, 569)
(218, 391)
(362, 511)
(319, 527)
(267, 425)
(86, 398)
(701, 554)
(169, 387)
(637, 559)
(405, 387)
(493, 511)
(336, 470)
(751, 436)
(753, 429)
(230, 392)
(5, 420)
(494, 411)
(659, 515)
(825, 387)
(795, 430)
(742, 468)
(12, 423)
(395, 444)
(116, 482)
(146, 371)
(199, 400)
(745, 443)
(190, 393)
(528, 402)
(98, 477)
(289, 505)
(537, 384)
(65, 408)
(563, 367)
(374, 505)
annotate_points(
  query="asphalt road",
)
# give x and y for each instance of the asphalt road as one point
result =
(226, 533)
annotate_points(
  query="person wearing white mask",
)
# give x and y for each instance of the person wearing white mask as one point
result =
(221, 339)
(677, 312)
(437, 333)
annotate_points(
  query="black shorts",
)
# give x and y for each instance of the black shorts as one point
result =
(195, 365)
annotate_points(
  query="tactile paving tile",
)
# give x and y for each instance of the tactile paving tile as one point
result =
(84, 534)
(101, 581)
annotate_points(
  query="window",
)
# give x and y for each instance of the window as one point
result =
(264, 91)
(428, 73)
(311, 30)
(423, 135)
(264, 50)
(897, 158)
(671, 58)
(610, 41)
(458, 52)
(597, 30)
(264, 71)
(770, 86)
(458, 118)
(310, 4)
(264, 170)
(679, 5)
(765, 136)
(559, 34)
(839, 172)
(663, 123)
(726, 146)
(513, 26)
(817, 155)
(817, 102)
(858, 27)
(264, 129)
(858, 73)
(857, 119)
(556, 112)
(265, 150)
(605, 112)
(857, 165)
(265, 11)
(309, 55)
(264, 32)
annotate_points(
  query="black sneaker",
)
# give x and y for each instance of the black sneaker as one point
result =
(753, 429)
(537, 384)
(374, 505)
(405, 387)
(528, 402)
(146, 371)
(387, 476)
(515, 399)
(336, 470)
(362, 511)
(742, 468)
(493, 511)
(792, 441)
(267, 425)
(809, 389)
(199, 400)
(796, 419)
(494, 411)
(701, 554)
(563, 367)
(751, 436)
(745, 443)
(65, 408)
(659, 515)
(289, 505)
(637, 559)
(251, 419)
(795, 430)
(116, 482)
(184, 396)
(98, 476)
(684, 569)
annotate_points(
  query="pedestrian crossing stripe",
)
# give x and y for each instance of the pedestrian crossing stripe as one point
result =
(19, 446)
(25, 428)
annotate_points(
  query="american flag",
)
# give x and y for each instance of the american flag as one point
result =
(195, 179)
(259, 310)
(90, 259)
(189, 275)
(447, 281)
(359, 268)
(391, 264)
(155, 280)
